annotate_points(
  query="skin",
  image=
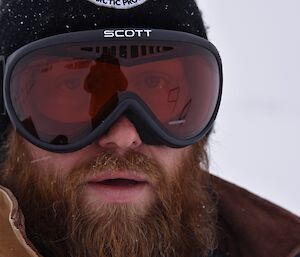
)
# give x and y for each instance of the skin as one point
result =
(121, 138)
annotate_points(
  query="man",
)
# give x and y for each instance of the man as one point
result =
(113, 117)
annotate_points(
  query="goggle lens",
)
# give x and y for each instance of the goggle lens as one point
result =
(62, 93)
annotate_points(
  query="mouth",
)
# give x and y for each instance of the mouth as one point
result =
(120, 182)
(123, 179)
(118, 187)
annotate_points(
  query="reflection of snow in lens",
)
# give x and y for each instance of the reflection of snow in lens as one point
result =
(176, 122)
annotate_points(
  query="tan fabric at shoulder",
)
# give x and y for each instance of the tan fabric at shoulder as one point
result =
(13, 242)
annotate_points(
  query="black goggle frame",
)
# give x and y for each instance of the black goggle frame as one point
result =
(147, 125)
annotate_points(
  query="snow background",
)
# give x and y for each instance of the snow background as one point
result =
(256, 144)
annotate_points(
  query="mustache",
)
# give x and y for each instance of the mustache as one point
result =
(132, 161)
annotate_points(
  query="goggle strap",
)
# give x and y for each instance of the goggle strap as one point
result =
(4, 120)
(2, 68)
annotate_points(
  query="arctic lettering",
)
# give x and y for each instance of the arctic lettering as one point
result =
(110, 2)
(118, 4)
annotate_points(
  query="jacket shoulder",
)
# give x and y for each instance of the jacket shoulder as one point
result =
(254, 227)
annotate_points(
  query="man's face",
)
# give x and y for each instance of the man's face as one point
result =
(116, 197)
(113, 184)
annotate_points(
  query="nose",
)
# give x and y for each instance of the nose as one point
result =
(121, 137)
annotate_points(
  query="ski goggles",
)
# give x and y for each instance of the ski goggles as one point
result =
(63, 92)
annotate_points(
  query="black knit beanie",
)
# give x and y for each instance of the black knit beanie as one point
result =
(22, 22)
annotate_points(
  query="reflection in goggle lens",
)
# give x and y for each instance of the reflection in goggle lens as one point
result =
(62, 93)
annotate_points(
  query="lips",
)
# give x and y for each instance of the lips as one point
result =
(118, 187)
(118, 179)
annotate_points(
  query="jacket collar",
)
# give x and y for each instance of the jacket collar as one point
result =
(251, 226)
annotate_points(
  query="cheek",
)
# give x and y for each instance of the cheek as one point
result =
(169, 158)
(48, 161)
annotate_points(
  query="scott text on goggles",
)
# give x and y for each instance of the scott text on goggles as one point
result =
(127, 33)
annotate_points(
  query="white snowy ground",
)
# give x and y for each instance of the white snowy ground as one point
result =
(257, 139)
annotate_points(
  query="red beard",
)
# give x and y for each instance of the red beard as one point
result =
(180, 222)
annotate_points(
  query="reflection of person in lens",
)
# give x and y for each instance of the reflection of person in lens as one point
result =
(104, 81)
